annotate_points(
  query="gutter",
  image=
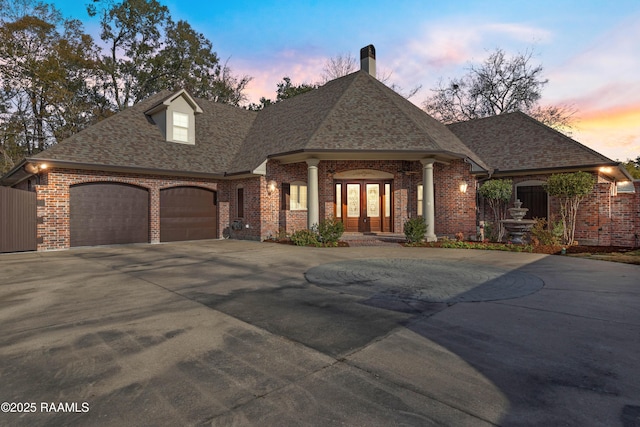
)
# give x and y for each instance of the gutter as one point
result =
(52, 163)
(591, 167)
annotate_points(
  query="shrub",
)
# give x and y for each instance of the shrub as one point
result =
(305, 238)
(570, 189)
(415, 229)
(329, 231)
(498, 192)
(541, 234)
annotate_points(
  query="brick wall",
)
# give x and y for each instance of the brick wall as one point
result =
(53, 201)
(276, 219)
(609, 220)
(250, 224)
(603, 219)
(455, 211)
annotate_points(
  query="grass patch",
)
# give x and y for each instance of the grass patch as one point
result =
(631, 257)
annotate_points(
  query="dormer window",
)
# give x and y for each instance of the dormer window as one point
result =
(175, 117)
(180, 127)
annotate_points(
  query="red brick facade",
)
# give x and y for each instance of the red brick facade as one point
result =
(53, 201)
(455, 211)
(609, 219)
(604, 218)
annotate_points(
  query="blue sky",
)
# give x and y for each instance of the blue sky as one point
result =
(590, 50)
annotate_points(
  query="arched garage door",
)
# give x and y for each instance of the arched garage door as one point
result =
(187, 213)
(105, 213)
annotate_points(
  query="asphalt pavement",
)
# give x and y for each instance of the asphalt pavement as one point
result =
(225, 332)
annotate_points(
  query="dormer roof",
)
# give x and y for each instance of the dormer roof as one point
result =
(163, 104)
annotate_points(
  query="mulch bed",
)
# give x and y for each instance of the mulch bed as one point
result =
(552, 249)
(579, 249)
(540, 249)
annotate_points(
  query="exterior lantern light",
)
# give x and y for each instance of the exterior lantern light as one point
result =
(271, 186)
(463, 187)
(35, 168)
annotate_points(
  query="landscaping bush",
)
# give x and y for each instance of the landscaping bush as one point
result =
(541, 234)
(415, 229)
(329, 231)
(305, 238)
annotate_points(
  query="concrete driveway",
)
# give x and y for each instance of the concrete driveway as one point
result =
(232, 333)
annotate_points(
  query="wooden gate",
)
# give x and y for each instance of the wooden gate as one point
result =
(18, 223)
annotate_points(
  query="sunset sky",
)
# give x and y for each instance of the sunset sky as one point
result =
(590, 50)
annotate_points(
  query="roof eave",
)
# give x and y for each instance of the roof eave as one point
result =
(64, 164)
(618, 172)
(301, 155)
(16, 175)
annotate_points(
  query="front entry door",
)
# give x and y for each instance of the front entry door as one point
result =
(362, 205)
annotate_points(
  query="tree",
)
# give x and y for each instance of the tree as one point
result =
(633, 167)
(338, 66)
(570, 189)
(501, 84)
(288, 90)
(46, 66)
(497, 192)
(285, 90)
(344, 63)
(558, 117)
(149, 52)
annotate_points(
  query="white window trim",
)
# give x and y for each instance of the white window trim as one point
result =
(298, 203)
(178, 128)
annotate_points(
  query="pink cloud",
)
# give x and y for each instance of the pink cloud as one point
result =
(266, 74)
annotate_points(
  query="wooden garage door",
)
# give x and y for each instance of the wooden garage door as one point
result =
(105, 213)
(187, 213)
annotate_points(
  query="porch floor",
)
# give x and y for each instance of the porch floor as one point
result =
(373, 239)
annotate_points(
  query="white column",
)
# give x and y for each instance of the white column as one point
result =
(428, 199)
(313, 202)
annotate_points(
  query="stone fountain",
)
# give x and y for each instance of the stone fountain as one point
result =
(517, 226)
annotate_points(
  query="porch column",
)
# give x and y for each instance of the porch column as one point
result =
(313, 202)
(428, 200)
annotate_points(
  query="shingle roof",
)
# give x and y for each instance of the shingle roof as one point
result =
(515, 141)
(131, 139)
(355, 112)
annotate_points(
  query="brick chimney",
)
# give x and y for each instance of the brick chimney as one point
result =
(368, 59)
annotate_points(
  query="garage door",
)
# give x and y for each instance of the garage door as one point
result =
(187, 213)
(105, 213)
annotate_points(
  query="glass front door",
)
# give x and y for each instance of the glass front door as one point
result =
(363, 206)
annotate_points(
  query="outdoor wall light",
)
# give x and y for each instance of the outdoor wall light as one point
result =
(34, 168)
(271, 186)
(463, 187)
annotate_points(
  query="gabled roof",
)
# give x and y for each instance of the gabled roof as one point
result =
(131, 140)
(169, 99)
(515, 142)
(352, 113)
